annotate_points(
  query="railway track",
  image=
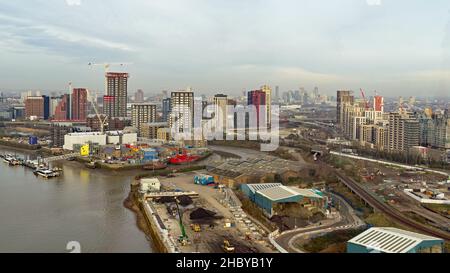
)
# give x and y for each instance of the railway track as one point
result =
(391, 212)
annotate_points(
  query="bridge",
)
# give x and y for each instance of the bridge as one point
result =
(59, 157)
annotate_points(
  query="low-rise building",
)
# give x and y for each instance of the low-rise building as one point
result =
(112, 137)
(394, 240)
(149, 185)
(269, 195)
(150, 130)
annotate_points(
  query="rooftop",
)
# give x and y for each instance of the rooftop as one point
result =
(391, 240)
(282, 192)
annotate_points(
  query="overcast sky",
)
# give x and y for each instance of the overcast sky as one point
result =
(397, 47)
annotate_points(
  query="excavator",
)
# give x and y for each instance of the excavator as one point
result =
(183, 239)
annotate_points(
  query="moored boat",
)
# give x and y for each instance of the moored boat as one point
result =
(46, 173)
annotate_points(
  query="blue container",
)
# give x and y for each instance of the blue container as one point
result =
(33, 140)
(203, 180)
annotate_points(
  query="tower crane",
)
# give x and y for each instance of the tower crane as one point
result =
(366, 103)
(106, 67)
(102, 122)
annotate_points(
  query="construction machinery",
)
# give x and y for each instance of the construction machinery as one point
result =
(366, 102)
(228, 247)
(183, 239)
(196, 227)
(106, 67)
(103, 120)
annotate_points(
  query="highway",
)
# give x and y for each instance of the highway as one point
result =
(388, 210)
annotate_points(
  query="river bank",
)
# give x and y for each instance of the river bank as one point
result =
(82, 205)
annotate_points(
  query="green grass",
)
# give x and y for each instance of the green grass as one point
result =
(321, 243)
(442, 209)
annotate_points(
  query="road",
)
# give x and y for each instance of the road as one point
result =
(446, 173)
(347, 220)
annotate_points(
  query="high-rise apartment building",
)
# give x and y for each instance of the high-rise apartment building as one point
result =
(62, 109)
(343, 98)
(268, 91)
(221, 112)
(139, 96)
(142, 113)
(182, 110)
(166, 109)
(257, 98)
(34, 107)
(115, 100)
(79, 104)
(403, 132)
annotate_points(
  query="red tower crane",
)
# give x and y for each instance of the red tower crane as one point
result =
(365, 100)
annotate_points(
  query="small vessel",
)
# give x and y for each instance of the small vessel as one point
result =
(15, 162)
(181, 159)
(91, 165)
(46, 173)
(8, 158)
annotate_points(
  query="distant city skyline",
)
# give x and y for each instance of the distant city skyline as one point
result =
(399, 48)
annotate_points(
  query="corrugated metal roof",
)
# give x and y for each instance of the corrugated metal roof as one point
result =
(282, 192)
(390, 240)
(258, 187)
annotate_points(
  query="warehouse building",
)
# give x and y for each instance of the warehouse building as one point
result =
(113, 137)
(268, 196)
(394, 240)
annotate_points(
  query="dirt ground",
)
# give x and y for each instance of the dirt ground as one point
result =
(210, 239)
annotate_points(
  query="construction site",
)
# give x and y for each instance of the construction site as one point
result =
(195, 215)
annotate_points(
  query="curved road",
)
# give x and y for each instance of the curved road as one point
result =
(347, 220)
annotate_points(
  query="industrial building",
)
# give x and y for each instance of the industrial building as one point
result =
(269, 195)
(265, 169)
(394, 240)
(110, 137)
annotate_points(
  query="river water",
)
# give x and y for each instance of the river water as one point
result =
(86, 206)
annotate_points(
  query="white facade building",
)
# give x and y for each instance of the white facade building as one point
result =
(113, 137)
(150, 184)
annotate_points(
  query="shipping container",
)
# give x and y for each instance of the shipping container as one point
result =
(33, 140)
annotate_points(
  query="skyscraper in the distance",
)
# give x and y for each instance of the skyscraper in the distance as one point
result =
(277, 93)
(257, 98)
(79, 104)
(220, 110)
(343, 97)
(115, 100)
(34, 107)
(268, 91)
(139, 96)
(62, 109)
(166, 109)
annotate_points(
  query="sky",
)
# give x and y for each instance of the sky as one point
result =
(397, 47)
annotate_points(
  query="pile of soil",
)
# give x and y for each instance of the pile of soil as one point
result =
(184, 200)
(166, 199)
(202, 213)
